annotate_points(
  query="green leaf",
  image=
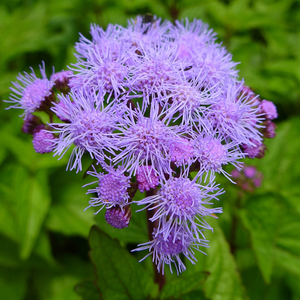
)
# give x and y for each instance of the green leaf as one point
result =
(25, 203)
(260, 216)
(88, 290)
(274, 229)
(58, 283)
(67, 214)
(33, 210)
(119, 275)
(183, 285)
(12, 284)
(224, 280)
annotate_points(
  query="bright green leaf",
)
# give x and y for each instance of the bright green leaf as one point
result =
(33, 210)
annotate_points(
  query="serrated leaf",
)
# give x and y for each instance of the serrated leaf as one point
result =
(183, 285)
(260, 216)
(119, 275)
(224, 280)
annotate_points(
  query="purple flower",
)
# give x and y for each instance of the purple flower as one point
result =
(30, 123)
(269, 109)
(146, 178)
(213, 152)
(31, 93)
(236, 115)
(42, 140)
(145, 141)
(90, 128)
(61, 79)
(182, 151)
(269, 130)
(181, 202)
(167, 250)
(118, 217)
(191, 36)
(111, 190)
(257, 149)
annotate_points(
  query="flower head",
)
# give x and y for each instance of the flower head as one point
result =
(111, 190)
(90, 127)
(30, 93)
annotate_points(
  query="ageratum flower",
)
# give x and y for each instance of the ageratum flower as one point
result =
(31, 93)
(159, 108)
(111, 190)
(90, 127)
(181, 202)
(167, 251)
(145, 141)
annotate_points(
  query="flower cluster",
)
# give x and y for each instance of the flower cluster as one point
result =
(158, 107)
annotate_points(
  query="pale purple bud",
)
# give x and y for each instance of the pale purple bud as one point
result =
(43, 141)
(269, 109)
(250, 171)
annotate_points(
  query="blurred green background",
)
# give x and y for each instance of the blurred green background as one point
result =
(43, 228)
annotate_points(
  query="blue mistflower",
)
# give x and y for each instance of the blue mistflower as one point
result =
(90, 127)
(31, 92)
(111, 190)
(159, 108)
(182, 203)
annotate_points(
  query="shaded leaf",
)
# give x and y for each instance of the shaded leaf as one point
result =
(119, 275)
(12, 284)
(224, 280)
(88, 290)
(183, 285)
(260, 217)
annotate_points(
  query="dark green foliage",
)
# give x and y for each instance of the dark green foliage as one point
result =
(254, 250)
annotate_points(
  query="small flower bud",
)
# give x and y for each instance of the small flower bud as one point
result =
(118, 217)
(254, 151)
(269, 130)
(269, 109)
(248, 179)
(42, 140)
(30, 123)
(61, 80)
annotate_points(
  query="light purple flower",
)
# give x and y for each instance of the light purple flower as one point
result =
(30, 93)
(111, 190)
(181, 202)
(42, 140)
(90, 128)
(146, 178)
(167, 250)
(145, 141)
(269, 109)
